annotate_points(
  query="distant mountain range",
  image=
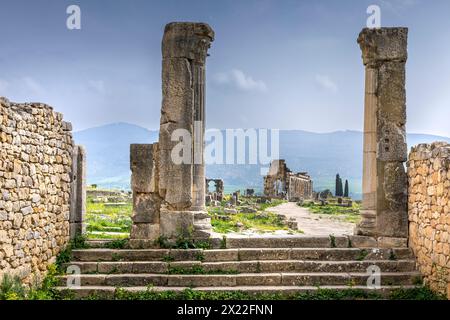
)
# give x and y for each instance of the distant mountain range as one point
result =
(322, 155)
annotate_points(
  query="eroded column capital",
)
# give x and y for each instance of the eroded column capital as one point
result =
(383, 44)
(187, 40)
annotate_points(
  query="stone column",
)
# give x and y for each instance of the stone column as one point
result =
(146, 200)
(78, 192)
(384, 206)
(182, 186)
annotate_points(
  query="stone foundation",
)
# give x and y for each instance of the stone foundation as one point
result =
(429, 212)
(35, 178)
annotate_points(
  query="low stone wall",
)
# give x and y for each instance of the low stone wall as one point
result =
(429, 211)
(35, 177)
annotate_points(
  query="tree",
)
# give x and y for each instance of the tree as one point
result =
(338, 189)
(346, 189)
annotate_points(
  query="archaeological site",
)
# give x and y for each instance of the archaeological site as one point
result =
(181, 228)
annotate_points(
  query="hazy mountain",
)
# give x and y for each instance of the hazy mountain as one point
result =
(321, 154)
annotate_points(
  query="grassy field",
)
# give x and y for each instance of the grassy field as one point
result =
(113, 221)
(106, 221)
(260, 222)
(348, 214)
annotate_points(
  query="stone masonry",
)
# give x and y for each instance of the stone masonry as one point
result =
(180, 187)
(384, 206)
(35, 179)
(429, 212)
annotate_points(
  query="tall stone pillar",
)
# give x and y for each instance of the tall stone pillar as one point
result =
(182, 185)
(384, 206)
(78, 192)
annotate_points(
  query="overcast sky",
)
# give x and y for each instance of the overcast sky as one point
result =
(273, 64)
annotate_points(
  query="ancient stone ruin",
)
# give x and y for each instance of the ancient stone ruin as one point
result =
(42, 188)
(169, 197)
(384, 206)
(43, 191)
(429, 211)
(280, 182)
(217, 194)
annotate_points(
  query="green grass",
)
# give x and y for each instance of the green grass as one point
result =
(273, 203)
(261, 221)
(348, 214)
(108, 222)
(269, 222)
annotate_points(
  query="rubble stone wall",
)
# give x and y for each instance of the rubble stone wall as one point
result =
(429, 211)
(35, 177)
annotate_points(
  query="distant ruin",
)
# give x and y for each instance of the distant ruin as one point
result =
(217, 194)
(281, 182)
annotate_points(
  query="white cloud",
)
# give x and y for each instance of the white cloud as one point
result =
(33, 87)
(240, 80)
(97, 85)
(326, 83)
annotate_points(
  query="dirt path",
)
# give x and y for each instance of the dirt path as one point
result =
(313, 224)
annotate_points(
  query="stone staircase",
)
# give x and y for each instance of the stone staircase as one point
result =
(261, 265)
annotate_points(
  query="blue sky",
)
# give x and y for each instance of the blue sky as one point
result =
(273, 64)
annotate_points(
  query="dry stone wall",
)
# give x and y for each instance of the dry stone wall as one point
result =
(35, 179)
(429, 211)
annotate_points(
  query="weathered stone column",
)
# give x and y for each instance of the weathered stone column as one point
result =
(144, 184)
(384, 206)
(78, 192)
(182, 186)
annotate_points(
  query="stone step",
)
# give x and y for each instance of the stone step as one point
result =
(244, 279)
(243, 254)
(108, 292)
(252, 266)
(288, 242)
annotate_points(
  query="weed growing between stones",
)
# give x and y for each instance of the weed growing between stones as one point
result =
(65, 255)
(332, 241)
(198, 270)
(223, 242)
(419, 293)
(117, 244)
(362, 255)
(182, 242)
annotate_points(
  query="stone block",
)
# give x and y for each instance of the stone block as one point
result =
(381, 44)
(390, 242)
(264, 254)
(187, 40)
(176, 223)
(146, 207)
(259, 279)
(145, 231)
(221, 255)
(141, 165)
(363, 242)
